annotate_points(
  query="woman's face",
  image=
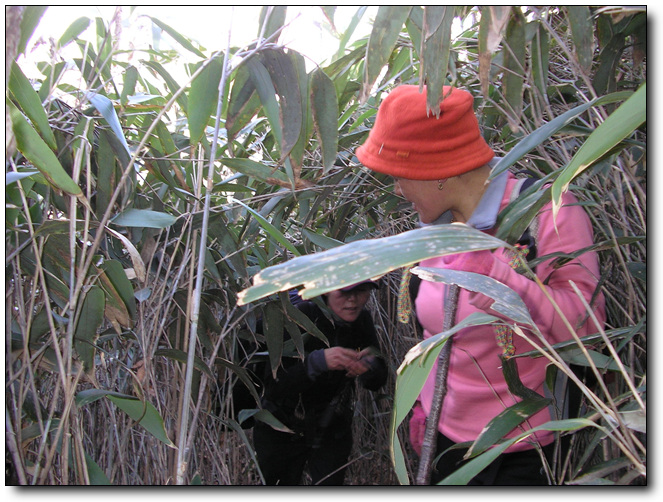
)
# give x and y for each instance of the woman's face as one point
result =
(347, 305)
(427, 199)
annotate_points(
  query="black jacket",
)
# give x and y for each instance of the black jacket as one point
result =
(307, 397)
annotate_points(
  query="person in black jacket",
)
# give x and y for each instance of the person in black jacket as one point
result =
(314, 397)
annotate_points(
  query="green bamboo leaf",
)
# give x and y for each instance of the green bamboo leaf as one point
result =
(171, 83)
(463, 475)
(203, 98)
(30, 144)
(31, 17)
(182, 40)
(182, 357)
(73, 32)
(145, 414)
(296, 157)
(324, 106)
(546, 131)
(514, 63)
(284, 77)
(582, 31)
(435, 52)
(28, 99)
(303, 320)
(267, 94)
(92, 315)
(618, 126)
(95, 473)
(243, 376)
(243, 103)
(144, 218)
(321, 240)
(107, 110)
(540, 50)
(107, 173)
(265, 417)
(364, 259)
(273, 326)
(270, 229)
(273, 19)
(13, 177)
(507, 301)
(129, 87)
(505, 422)
(386, 28)
(117, 276)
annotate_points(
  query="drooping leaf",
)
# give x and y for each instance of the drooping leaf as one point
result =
(74, 31)
(387, 26)
(514, 63)
(284, 77)
(182, 40)
(107, 110)
(28, 99)
(365, 259)
(273, 326)
(272, 19)
(203, 98)
(540, 58)
(32, 14)
(582, 31)
(243, 102)
(30, 144)
(182, 357)
(435, 52)
(145, 414)
(324, 106)
(619, 125)
(507, 301)
(91, 317)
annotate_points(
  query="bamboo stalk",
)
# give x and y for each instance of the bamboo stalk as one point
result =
(430, 435)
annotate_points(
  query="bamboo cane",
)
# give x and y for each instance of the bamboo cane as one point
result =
(428, 448)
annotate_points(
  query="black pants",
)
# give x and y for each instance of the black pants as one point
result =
(509, 469)
(282, 457)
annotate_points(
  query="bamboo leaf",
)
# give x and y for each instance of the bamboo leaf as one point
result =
(31, 17)
(273, 19)
(74, 31)
(28, 99)
(507, 301)
(145, 414)
(284, 77)
(107, 110)
(273, 325)
(582, 31)
(463, 475)
(182, 357)
(182, 40)
(435, 52)
(96, 473)
(505, 422)
(324, 106)
(387, 26)
(203, 99)
(91, 317)
(243, 103)
(30, 144)
(514, 63)
(619, 125)
(540, 50)
(545, 132)
(144, 218)
(265, 89)
(365, 259)
(321, 240)
(270, 229)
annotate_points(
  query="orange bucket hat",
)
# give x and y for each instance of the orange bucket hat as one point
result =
(408, 142)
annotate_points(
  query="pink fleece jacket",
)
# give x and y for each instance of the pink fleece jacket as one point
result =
(476, 390)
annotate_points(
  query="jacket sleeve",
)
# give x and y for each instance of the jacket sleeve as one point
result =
(570, 232)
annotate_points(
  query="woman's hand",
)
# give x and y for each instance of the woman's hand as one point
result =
(348, 360)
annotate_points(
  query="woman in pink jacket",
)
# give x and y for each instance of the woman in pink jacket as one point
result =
(442, 165)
